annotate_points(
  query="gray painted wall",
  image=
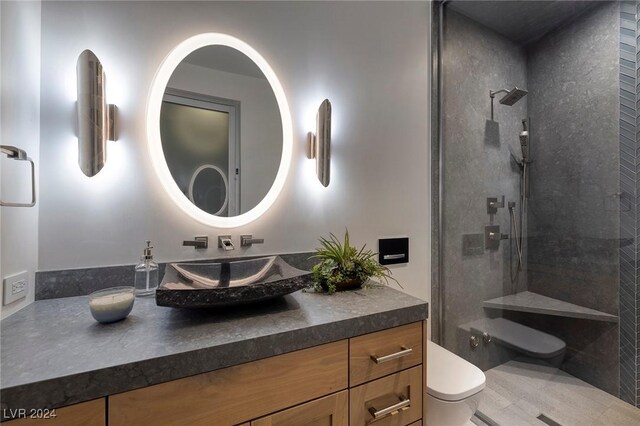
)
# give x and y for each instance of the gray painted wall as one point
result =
(573, 219)
(477, 165)
(20, 127)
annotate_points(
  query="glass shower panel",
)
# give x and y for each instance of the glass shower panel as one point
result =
(531, 247)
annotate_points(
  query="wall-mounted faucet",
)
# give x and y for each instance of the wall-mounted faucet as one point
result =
(224, 242)
(248, 240)
(197, 243)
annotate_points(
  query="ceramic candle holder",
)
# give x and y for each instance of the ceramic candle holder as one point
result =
(111, 304)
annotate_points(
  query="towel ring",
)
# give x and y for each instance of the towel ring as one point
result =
(20, 155)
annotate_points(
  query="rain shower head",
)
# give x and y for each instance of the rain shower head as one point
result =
(512, 96)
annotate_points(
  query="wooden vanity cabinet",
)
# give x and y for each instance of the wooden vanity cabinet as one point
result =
(348, 382)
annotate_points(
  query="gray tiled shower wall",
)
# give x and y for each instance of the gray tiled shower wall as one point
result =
(477, 165)
(573, 217)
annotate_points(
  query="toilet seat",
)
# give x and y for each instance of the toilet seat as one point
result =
(449, 377)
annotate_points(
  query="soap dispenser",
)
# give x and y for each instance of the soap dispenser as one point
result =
(146, 279)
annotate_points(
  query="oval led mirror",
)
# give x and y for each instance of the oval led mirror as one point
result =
(219, 130)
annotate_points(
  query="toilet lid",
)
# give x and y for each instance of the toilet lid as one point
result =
(450, 377)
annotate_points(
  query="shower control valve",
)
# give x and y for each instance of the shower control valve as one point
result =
(492, 237)
(493, 204)
(496, 236)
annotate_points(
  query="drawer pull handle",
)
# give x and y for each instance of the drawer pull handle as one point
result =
(404, 404)
(380, 359)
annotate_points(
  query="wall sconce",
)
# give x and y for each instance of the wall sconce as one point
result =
(96, 119)
(20, 155)
(319, 144)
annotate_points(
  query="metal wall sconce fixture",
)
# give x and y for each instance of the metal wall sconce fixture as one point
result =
(319, 144)
(20, 155)
(96, 119)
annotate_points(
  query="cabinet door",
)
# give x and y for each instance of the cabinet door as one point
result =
(91, 413)
(332, 410)
(236, 394)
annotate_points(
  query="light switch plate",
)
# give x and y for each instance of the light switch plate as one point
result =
(15, 287)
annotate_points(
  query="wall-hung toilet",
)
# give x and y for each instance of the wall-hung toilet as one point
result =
(453, 388)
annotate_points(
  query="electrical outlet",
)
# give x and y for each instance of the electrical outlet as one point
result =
(15, 287)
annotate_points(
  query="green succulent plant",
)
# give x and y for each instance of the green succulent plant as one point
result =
(344, 266)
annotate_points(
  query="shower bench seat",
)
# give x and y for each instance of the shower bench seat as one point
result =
(519, 337)
(535, 303)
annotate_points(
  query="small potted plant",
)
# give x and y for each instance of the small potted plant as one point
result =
(344, 267)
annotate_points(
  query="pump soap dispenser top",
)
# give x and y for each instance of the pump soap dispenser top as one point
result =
(146, 274)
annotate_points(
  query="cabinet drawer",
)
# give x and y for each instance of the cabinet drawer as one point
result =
(332, 410)
(236, 394)
(384, 352)
(395, 400)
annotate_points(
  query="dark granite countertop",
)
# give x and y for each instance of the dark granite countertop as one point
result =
(52, 353)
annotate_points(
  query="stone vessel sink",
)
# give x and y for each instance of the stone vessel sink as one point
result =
(206, 285)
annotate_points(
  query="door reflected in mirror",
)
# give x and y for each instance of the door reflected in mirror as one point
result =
(221, 130)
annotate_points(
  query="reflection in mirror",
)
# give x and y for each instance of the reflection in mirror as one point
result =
(209, 189)
(221, 131)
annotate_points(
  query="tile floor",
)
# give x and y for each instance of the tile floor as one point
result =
(518, 392)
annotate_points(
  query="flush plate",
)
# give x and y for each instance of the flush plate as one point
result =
(393, 250)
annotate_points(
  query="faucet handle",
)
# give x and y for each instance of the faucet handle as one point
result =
(248, 240)
(197, 243)
(493, 204)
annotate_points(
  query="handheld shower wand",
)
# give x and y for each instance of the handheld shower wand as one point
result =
(519, 228)
(524, 146)
(524, 141)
